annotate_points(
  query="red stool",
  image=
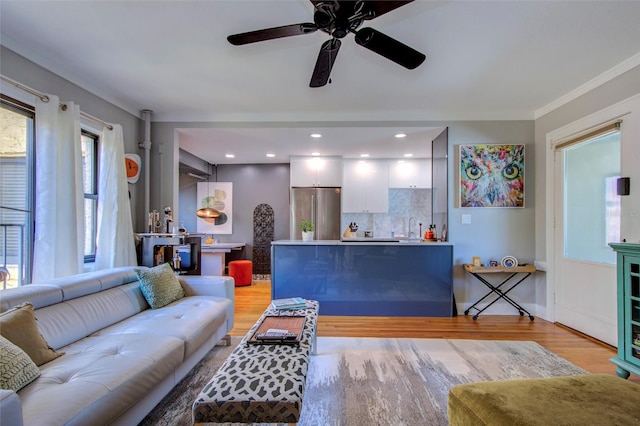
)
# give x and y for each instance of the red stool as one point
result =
(241, 271)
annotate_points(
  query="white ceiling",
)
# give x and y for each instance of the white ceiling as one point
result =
(485, 60)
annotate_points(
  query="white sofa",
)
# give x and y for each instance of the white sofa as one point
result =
(120, 357)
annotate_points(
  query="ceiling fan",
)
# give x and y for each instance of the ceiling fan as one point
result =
(339, 18)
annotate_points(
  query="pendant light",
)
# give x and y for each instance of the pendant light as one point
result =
(207, 213)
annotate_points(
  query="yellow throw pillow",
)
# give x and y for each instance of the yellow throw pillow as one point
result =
(18, 325)
(16, 368)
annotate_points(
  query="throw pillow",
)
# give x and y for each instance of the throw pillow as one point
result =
(18, 325)
(16, 368)
(159, 285)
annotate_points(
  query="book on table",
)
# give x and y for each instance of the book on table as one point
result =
(289, 303)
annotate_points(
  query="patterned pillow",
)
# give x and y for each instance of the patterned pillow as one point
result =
(159, 285)
(17, 370)
(18, 325)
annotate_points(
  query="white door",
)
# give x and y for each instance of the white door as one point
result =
(587, 218)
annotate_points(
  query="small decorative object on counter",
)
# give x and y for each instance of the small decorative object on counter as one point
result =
(476, 261)
(306, 226)
(347, 233)
(509, 261)
(430, 235)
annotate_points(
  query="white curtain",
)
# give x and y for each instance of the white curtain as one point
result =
(59, 201)
(115, 245)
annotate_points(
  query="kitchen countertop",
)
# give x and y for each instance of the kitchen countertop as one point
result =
(222, 246)
(361, 241)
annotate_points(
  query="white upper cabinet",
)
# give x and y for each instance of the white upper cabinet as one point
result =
(365, 187)
(409, 173)
(316, 171)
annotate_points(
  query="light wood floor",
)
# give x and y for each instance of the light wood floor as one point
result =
(588, 353)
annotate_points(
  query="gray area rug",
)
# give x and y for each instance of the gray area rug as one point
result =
(369, 381)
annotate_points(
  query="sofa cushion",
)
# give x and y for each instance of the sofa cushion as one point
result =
(67, 322)
(16, 368)
(38, 295)
(191, 319)
(18, 325)
(159, 285)
(99, 378)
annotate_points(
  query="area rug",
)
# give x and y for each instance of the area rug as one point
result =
(369, 381)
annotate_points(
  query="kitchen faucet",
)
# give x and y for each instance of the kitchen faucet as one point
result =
(410, 233)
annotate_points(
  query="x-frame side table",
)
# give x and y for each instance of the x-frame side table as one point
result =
(479, 271)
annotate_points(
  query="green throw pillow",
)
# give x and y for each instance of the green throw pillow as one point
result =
(17, 370)
(19, 326)
(159, 285)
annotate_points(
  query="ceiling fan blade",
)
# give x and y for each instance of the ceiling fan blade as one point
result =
(271, 33)
(389, 47)
(326, 58)
(381, 7)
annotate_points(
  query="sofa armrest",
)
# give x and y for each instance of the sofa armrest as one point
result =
(10, 408)
(209, 285)
(203, 285)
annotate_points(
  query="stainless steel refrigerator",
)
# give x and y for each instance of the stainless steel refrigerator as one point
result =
(321, 206)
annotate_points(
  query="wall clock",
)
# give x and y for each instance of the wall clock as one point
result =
(132, 167)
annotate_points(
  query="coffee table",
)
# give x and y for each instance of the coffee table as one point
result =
(260, 383)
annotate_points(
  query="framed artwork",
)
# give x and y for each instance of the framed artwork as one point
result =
(491, 175)
(219, 196)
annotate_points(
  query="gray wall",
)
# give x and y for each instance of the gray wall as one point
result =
(614, 91)
(253, 184)
(493, 232)
(601, 98)
(32, 75)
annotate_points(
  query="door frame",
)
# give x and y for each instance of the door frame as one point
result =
(583, 125)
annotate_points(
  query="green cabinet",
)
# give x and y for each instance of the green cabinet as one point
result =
(628, 359)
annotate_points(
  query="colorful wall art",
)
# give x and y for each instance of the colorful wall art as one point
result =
(491, 175)
(216, 195)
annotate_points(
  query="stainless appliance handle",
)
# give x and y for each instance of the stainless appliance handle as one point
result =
(313, 210)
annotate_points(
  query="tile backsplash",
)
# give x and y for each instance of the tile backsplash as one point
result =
(403, 204)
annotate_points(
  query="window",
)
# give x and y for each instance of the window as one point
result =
(591, 205)
(90, 185)
(16, 191)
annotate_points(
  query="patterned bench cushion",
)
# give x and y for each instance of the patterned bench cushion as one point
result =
(260, 383)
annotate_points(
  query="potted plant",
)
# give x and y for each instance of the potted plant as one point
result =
(306, 226)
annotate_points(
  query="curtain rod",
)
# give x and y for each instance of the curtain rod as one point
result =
(44, 98)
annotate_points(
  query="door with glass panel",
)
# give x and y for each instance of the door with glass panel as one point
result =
(587, 218)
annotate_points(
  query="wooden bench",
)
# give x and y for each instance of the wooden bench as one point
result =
(260, 383)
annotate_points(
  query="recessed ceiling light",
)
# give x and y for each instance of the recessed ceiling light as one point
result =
(271, 155)
(408, 155)
(364, 155)
(230, 155)
(315, 154)
(315, 135)
(400, 135)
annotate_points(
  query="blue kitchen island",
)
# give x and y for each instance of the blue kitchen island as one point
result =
(376, 278)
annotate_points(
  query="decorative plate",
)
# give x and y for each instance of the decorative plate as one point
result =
(509, 261)
(132, 167)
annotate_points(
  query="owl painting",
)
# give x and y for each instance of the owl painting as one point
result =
(492, 175)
